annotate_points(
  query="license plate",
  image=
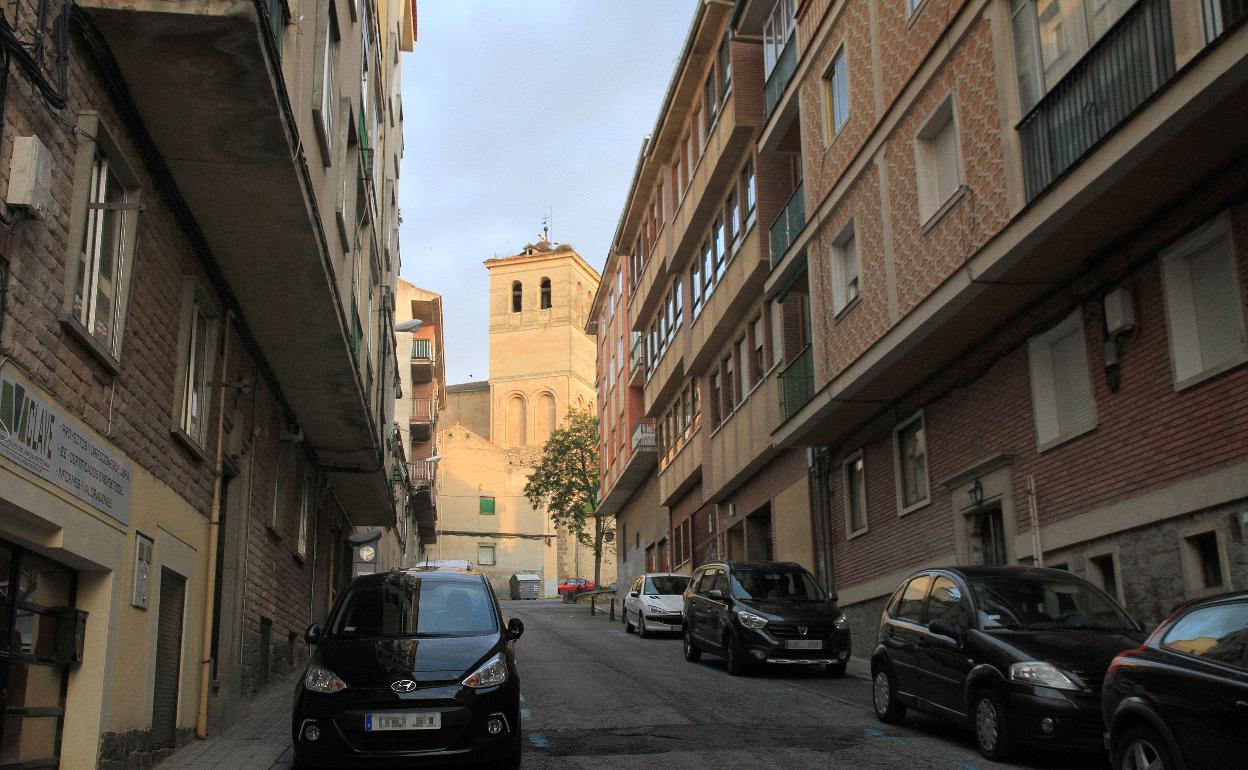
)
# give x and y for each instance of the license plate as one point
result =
(803, 644)
(403, 720)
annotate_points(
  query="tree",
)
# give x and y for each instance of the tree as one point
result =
(565, 482)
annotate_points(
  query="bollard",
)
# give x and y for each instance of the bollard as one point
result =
(593, 605)
(612, 608)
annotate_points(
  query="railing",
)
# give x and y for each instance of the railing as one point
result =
(1118, 74)
(421, 470)
(422, 350)
(637, 359)
(644, 435)
(422, 410)
(780, 76)
(797, 383)
(786, 227)
(1221, 16)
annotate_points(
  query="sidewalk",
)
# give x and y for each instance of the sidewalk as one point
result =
(258, 740)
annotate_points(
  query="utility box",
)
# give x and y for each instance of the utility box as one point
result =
(30, 176)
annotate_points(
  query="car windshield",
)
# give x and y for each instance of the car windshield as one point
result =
(666, 585)
(788, 584)
(1036, 603)
(407, 605)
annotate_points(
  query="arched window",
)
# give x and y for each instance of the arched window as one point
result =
(517, 296)
(516, 421)
(545, 417)
(545, 294)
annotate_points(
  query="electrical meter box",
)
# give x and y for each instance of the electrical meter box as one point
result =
(30, 176)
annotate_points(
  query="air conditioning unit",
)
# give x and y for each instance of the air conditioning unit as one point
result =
(30, 176)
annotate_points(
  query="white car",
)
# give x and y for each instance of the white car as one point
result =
(655, 602)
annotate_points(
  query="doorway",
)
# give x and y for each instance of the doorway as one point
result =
(988, 537)
(168, 659)
(758, 541)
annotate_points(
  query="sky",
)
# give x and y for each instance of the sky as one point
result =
(513, 109)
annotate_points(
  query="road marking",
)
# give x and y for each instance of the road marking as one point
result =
(965, 766)
(881, 734)
(538, 740)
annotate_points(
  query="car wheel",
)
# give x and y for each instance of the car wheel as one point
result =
(692, 653)
(836, 669)
(992, 731)
(888, 708)
(736, 659)
(1142, 748)
(628, 625)
(641, 625)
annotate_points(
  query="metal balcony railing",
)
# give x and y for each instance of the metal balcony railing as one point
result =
(423, 410)
(780, 76)
(422, 350)
(797, 383)
(786, 227)
(1118, 74)
(421, 471)
(644, 435)
(637, 358)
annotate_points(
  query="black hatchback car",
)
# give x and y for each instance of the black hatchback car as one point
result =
(763, 612)
(1017, 653)
(411, 667)
(1180, 700)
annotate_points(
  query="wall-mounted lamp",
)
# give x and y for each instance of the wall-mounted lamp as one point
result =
(976, 493)
(409, 326)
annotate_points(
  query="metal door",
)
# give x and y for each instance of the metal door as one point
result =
(168, 659)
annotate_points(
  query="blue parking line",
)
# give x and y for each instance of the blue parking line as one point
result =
(881, 734)
(538, 740)
(965, 766)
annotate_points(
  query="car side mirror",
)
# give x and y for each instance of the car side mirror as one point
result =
(633, 594)
(945, 628)
(515, 628)
(313, 634)
(715, 594)
(832, 597)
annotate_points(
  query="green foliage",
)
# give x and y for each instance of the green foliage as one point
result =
(565, 481)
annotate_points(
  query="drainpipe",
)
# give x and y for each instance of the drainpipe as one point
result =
(214, 534)
(1036, 550)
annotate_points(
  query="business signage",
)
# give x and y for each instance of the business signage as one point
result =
(38, 438)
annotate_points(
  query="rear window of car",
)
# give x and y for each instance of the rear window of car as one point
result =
(666, 585)
(1218, 633)
(408, 605)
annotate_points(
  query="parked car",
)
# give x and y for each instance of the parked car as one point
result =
(1017, 653)
(655, 602)
(410, 665)
(763, 612)
(574, 586)
(1180, 700)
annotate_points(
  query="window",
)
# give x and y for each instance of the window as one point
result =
(912, 6)
(285, 476)
(517, 296)
(910, 449)
(545, 294)
(936, 158)
(485, 555)
(1204, 308)
(1218, 633)
(910, 607)
(945, 603)
(743, 359)
(758, 338)
(776, 32)
(325, 90)
(855, 475)
(730, 396)
(725, 64)
(716, 397)
(102, 238)
(777, 332)
(1203, 562)
(747, 189)
(695, 284)
(485, 506)
(1102, 573)
(196, 371)
(836, 97)
(710, 99)
(732, 218)
(1061, 388)
(306, 502)
(987, 538)
(845, 270)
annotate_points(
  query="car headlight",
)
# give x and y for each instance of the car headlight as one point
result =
(491, 674)
(1044, 674)
(841, 622)
(655, 608)
(320, 679)
(750, 620)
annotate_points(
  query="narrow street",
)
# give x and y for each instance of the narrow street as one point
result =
(596, 697)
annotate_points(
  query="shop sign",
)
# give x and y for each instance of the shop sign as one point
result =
(37, 437)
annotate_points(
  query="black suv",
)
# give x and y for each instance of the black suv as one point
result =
(1017, 653)
(1180, 700)
(411, 665)
(763, 612)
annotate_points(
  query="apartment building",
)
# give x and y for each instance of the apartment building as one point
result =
(1021, 242)
(197, 379)
(693, 248)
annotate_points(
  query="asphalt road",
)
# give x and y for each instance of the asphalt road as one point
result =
(596, 697)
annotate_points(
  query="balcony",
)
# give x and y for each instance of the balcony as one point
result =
(780, 76)
(236, 157)
(422, 475)
(423, 417)
(637, 361)
(797, 383)
(741, 444)
(1121, 71)
(636, 469)
(787, 226)
(422, 472)
(422, 361)
(740, 287)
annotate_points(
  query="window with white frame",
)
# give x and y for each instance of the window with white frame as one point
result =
(325, 92)
(776, 33)
(1061, 388)
(912, 6)
(936, 160)
(910, 455)
(1204, 307)
(102, 236)
(196, 369)
(836, 96)
(306, 503)
(845, 268)
(743, 363)
(854, 472)
(777, 332)
(485, 554)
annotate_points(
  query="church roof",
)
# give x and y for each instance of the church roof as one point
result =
(469, 387)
